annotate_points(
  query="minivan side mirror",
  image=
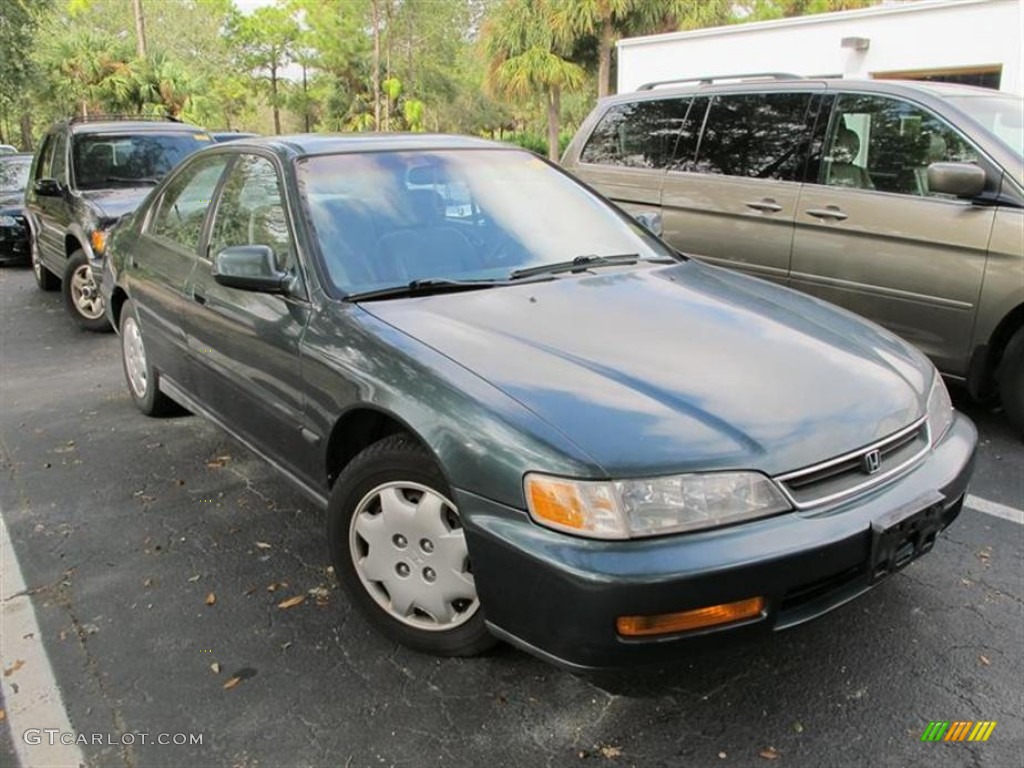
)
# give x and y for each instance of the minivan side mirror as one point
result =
(47, 188)
(250, 268)
(961, 179)
(650, 220)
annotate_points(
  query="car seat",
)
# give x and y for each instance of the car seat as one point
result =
(842, 171)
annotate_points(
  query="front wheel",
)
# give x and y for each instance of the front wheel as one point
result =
(398, 547)
(1011, 381)
(82, 296)
(143, 380)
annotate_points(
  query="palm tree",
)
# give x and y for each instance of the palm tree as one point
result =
(527, 58)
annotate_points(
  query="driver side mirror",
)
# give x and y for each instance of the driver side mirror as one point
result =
(964, 180)
(250, 268)
(48, 188)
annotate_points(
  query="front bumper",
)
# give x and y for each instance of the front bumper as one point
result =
(558, 596)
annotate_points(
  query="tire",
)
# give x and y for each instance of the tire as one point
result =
(81, 295)
(390, 526)
(1011, 381)
(45, 279)
(142, 379)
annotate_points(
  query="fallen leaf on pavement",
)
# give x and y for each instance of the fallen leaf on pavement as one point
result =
(3, 715)
(262, 545)
(215, 667)
(194, 577)
(291, 602)
(985, 660)
(147, 583)
(18, 664)
(211, 599)
(611, 752)
(232, 682)
(769, 753)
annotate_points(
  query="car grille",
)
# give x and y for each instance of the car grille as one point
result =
(857, 471)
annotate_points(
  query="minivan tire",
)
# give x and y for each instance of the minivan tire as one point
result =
(81, 295)
(398, 467)
(1011, 381)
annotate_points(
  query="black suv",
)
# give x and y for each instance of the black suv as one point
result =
(88, 174)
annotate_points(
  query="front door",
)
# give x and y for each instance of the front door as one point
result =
(871, 237)
(245, 345)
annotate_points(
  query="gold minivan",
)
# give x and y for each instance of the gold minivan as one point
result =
(901, 201)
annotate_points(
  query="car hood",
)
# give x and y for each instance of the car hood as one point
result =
(115, 203)
(654, 370)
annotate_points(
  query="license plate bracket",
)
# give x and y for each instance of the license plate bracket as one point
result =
(903, 534)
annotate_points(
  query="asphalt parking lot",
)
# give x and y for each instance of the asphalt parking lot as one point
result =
(158, 556)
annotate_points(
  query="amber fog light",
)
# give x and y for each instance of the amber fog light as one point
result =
(667, 623)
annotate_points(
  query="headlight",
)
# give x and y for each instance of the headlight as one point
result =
(623, 509)
(8, 221)
(940, 409)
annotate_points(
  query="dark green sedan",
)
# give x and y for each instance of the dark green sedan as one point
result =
(527, 417)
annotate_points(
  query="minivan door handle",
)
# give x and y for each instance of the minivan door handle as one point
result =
(764, 206)
(829, 212)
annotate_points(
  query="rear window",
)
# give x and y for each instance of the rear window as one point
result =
(110, 160)
(638, 135)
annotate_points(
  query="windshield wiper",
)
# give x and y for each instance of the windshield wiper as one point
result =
(583, 263)
(422, 288)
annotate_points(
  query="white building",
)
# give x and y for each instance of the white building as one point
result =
(977, 42)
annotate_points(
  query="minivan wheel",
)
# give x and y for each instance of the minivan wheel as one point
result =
(1011, 381)
(82, 296)
(398, 547)
(143, 380)
(45, 279)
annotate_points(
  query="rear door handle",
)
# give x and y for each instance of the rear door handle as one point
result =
(764, 206)
(829, 212)
(198, 298)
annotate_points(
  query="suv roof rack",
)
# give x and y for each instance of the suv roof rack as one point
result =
(708, 79)
(124, 118)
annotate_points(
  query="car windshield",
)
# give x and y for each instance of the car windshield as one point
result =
(107, 160)
(14, 173)
(1002, 116)
(387, 218)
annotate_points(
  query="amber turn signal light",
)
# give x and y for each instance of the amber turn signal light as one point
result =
(667, 623)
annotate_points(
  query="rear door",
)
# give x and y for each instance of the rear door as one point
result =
(245, 344)
(871, 237)
(626, 155)
(730, 198)
(165, 257)
(49, 235)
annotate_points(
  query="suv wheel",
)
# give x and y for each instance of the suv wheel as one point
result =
(82, 296)
(1011, 381)
(398, 547)
(45, 279)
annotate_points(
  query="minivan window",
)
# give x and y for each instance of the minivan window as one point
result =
(756, 135)
(641, 134)
(887, 144)
(1002, 116)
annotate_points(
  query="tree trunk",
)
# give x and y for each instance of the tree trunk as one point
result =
(140, 29)
(375, 15)
(387, 65)
(273, 101)
(604, 60)
(554, 108)
(305, 98)
(26, 131)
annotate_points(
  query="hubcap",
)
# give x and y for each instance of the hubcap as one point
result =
(134, 357)
(84, 293)
(409, 551)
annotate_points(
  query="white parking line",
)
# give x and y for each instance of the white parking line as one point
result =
(995, 509)
(31, 696)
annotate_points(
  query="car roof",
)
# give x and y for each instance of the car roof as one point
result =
(332, 144)
(17, 156)
(131, 126)
(892, 87)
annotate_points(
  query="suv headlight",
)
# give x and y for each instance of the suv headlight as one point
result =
(623, 509)
(940, 409)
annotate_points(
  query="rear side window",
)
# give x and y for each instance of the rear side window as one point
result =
(45, 158)
(755, 135)
(638, 135)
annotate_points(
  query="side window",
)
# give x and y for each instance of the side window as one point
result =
(45, 158)
(638, 135)
(252, 211)
(59, 169)
(756, 135)
(685, 154)
(877, 142)
(182, 209)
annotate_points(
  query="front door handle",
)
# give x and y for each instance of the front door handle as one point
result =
(764, 206)
(829, 213)
(198, 298)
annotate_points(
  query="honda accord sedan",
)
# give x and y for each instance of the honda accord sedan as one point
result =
(528, 418)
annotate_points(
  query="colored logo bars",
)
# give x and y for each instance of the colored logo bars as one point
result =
(959, 730)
